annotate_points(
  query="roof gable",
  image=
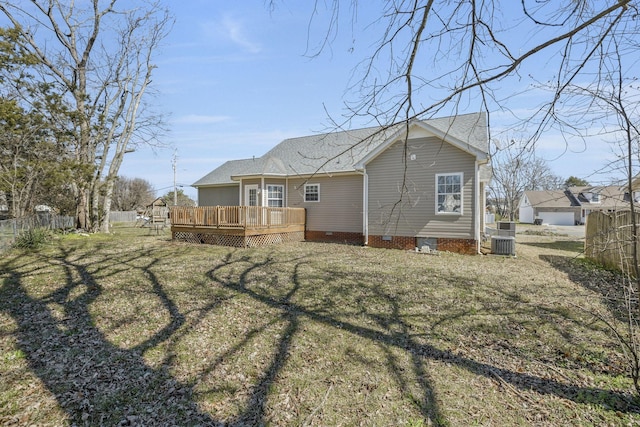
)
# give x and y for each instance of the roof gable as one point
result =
(467, 132)
(549, 199)
(344, 151)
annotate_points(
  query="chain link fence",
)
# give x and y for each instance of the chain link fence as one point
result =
(10, 229)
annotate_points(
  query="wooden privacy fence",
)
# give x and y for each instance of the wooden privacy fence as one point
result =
(122, 216)
(609, 239)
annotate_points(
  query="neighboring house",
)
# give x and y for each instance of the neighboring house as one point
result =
(571, 206)
(553, 207)
(367, 186)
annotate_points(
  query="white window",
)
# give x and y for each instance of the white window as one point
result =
(312, 192)
(449, 193)
(275, 196)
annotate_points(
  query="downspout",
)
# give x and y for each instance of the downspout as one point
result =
(476, 219)
(365, 206)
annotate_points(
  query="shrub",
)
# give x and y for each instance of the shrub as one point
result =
(33, 238)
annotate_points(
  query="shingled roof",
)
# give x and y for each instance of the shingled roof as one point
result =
(337, 152)
(611, 197)
(550, 199)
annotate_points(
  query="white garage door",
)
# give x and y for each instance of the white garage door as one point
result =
(557, 218)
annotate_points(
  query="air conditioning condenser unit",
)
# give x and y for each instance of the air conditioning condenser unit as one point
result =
(506, 228)
(503, 245)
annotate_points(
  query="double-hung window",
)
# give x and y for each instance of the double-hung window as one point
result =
(275, 196)
(449, 193)
(312, 192)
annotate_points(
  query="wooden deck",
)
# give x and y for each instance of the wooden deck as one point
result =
(240, 226)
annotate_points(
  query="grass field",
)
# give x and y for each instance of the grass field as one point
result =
(133, 329)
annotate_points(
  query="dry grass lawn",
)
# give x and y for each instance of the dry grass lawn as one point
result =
(133, 329)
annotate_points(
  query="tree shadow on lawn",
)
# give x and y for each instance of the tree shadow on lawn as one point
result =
(395, 334)
(99, 383)
(576, 246)
(94, 381)
(608, 283)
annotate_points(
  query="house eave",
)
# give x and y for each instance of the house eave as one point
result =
(224, 184)
(329, 174)
(259, 176)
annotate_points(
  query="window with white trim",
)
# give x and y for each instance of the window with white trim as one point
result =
(275, 196)
(449, 193)
(312, 192)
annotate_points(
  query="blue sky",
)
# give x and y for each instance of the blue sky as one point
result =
(235, 81)
(236, 78)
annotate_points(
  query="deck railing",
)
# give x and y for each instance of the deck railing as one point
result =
(236, 216)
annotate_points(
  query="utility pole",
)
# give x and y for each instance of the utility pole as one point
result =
(175, 192)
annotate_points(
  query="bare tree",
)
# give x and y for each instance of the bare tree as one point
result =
(438, 56)
(132, 194)
(613, 101)
(97, 59)
(516, 169)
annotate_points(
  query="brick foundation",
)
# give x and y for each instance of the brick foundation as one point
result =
(334, 237)
(461, 246)
(395, 242)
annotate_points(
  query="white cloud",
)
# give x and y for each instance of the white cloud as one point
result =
(235, 31)
(230, 29)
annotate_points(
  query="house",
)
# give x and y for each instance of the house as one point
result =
(405, 186)
(553, 207)
(571, 206)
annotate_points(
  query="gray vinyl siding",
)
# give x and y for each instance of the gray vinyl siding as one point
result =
(340, 205)
(218, 196)
(415, 214)
(262, 198)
